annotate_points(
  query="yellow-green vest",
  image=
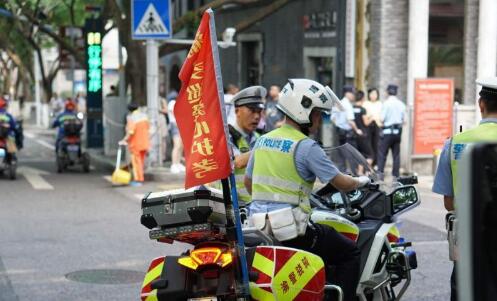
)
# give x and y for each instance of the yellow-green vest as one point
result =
(485, 132)
(243, 147)
(275, 177)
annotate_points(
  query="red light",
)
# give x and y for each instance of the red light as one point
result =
(206, 255)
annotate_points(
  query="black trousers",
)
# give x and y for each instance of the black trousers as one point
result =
(335, 250)
(388, 142)
(374, 139)
(453, 284)
(346, 136)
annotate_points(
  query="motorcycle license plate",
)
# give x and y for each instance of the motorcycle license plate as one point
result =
(2, 153)
(203, 299)
(73, 148)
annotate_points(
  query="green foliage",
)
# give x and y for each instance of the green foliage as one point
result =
(191, 22)
(444, 55)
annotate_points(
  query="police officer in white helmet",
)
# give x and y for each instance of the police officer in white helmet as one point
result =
(280, 175)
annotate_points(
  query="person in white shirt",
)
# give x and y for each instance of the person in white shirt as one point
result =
(231, 90)
(373, 108)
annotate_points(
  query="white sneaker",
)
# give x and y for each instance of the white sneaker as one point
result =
(181, 167)
(175, 169)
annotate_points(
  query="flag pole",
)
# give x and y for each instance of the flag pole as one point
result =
(244, 290)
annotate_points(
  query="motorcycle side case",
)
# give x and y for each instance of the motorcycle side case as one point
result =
(337, 222)
(280, 273)
(176, 207)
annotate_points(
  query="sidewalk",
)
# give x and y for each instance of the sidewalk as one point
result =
(157, 174)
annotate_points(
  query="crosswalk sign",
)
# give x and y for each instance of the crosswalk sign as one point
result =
(151, 19)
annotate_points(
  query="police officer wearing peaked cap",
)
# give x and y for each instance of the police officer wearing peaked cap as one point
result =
(249, 104)
(445, 182)
(392, 117)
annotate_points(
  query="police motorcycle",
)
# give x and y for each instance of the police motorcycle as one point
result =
(368, 216)
(69, 149)
(8, 162)
(208, 271)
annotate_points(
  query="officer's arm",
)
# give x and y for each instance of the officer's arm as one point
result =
(344, 182)
(449, 203)
(241, 160)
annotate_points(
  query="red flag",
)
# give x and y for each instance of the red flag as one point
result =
(198, 109)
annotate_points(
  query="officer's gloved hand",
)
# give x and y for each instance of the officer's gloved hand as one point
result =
(362, 181)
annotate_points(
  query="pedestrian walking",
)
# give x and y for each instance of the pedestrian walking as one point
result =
(362, 121)
(138, 141)
(177, 152)
(373, 110)
(346, 128)
(445, 182)
(392, 118)
(230, 92)
(273, 117)
(163, 125)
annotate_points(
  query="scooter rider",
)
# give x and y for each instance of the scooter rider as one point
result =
(249, 104)
(280, 175)
(8, 123)
(446, 176)
(68, 115)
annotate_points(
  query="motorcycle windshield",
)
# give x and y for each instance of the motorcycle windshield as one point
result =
(350, 161)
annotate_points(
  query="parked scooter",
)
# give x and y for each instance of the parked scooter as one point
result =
(8, 162)
(208, 270)
(69, 149)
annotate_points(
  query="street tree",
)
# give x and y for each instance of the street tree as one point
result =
(38, 23)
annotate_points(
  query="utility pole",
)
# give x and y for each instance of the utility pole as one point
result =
(153, 99)
(37, 88)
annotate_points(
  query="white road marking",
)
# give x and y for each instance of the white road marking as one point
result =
(34, 177)
(39, 141)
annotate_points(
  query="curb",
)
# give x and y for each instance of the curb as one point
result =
(160, 174)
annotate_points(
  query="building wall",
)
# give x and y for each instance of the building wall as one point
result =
(470, 49)
(389, 41)
(279, 62)
(282, 39)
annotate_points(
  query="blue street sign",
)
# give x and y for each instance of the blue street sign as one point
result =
(151, 19)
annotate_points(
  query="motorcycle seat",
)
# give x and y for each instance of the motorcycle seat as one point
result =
(253, 237)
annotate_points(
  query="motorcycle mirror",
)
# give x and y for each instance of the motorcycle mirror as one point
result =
(404, 198)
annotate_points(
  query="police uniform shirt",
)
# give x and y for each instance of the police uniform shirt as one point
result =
(442, 183)
(311, 162)
(342, 118)
(249, 138)
(393, 111)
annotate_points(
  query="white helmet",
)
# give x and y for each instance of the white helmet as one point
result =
(299, 96)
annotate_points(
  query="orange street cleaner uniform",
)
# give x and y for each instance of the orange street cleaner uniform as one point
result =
(138, 142)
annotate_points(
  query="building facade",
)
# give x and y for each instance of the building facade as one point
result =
(369, 43)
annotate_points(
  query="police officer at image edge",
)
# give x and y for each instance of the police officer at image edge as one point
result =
(446, 176)
(249, 104)
(280, 175)
(392, 117)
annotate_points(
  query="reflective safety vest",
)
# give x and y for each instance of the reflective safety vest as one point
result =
(275, 177)
(485, 132)
(242, 145)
